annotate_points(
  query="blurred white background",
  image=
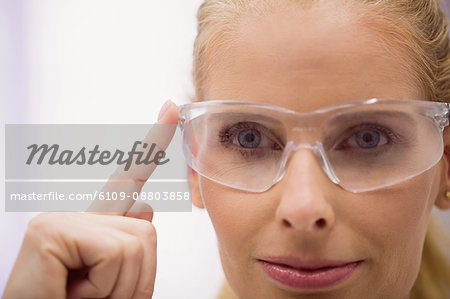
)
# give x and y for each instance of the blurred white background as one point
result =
(101, 61)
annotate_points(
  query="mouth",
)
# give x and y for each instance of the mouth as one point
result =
(308, 276)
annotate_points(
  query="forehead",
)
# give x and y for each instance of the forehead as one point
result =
(306, 59)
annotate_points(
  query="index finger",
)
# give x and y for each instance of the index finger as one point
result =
(133, 179)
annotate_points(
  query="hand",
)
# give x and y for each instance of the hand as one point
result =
(94, 254)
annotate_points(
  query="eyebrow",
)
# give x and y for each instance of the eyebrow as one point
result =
(270, 123)
(363, 115)
(239, 115)
(346, 116)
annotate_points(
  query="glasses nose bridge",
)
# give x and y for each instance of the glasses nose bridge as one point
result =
(319, 152)
(304, 134)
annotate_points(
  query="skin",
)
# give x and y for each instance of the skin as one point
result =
(288, 58)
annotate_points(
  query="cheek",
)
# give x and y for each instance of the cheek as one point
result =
(395, 226)
(232, 215)
(238, 219)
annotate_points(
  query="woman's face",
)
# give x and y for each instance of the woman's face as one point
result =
(305, 60)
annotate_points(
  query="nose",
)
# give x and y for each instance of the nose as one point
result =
(304, 204)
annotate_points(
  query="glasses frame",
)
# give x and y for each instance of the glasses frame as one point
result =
(438, 112)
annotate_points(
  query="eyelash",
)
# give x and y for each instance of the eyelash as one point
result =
(228, 133)
(388, 133)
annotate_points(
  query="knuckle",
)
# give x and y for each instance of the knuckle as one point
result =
(35, 224)
(147, 228)
(114, 249)
(41, 227)
(39, 221)
(148, 232)
(135, 248)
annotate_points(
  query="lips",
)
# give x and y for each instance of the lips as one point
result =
(308, 275)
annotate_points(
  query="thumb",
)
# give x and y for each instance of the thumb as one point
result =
(140, 210)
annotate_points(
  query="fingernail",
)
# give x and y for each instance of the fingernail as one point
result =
(164, 109)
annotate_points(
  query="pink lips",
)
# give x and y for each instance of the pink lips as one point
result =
(312, 276)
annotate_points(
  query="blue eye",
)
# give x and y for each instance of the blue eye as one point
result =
(249, 138)
(368, 138)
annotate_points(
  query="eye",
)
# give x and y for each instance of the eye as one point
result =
(249, 136)
(367, 138)
(252, 138)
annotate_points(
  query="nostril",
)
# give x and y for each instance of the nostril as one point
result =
(286, 223)
(320, 223)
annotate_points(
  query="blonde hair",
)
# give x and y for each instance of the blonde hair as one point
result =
(417, 26)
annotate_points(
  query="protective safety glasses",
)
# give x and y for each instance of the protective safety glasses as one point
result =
(361, 146)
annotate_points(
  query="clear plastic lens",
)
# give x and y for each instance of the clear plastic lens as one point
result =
(232, 151)
(362, 147)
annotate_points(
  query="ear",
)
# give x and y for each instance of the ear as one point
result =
(443, 200)
(193, 182)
